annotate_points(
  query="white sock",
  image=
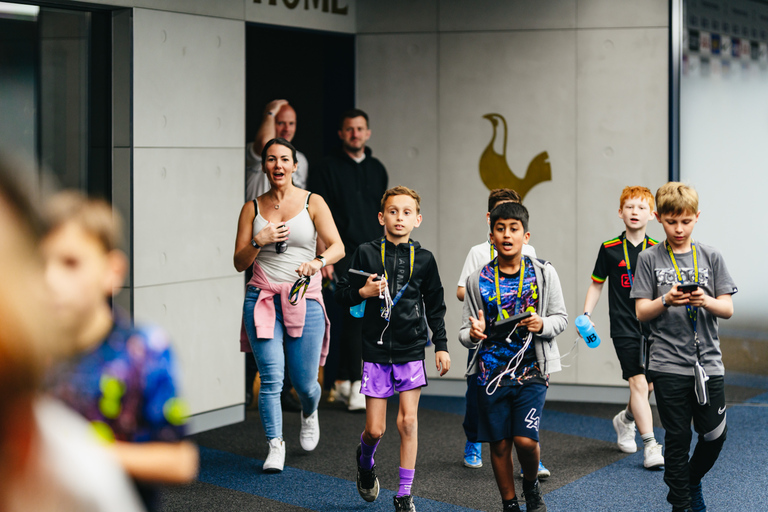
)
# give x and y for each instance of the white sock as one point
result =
(648, 439)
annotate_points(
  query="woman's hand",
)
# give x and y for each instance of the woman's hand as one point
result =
(309, 268)
(272, 233)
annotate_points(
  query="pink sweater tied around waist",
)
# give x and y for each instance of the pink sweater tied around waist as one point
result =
(264, 316)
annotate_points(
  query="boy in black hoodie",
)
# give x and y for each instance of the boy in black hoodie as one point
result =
(395, 334)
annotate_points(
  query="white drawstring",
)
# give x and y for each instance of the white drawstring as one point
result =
(516, 359)
(386, 309)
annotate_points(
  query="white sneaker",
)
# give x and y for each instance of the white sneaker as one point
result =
(340, 392)
(625, 433)
(276, 458)
(652, 457)
(310, 431)
(356, 400)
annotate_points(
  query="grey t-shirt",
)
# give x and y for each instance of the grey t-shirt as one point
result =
(673, 349)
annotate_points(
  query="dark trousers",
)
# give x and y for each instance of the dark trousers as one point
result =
(470, 415)
(677, 406)
(351, 348)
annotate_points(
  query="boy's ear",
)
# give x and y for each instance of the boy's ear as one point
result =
(117, 267)
(381, 218)
(418, 221)
(488, 218)
(527, 237)
(658, 217)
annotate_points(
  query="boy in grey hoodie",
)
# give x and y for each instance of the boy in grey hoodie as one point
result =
(513, 359)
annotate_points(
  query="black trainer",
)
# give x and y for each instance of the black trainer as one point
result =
(367, 482)
(533, 499)
(404, 504)
(512, 506)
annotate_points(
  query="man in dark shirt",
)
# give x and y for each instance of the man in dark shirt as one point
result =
(352, 182)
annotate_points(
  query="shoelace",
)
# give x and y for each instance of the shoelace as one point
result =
(298, 290)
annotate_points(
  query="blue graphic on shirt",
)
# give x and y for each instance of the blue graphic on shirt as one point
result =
(496, 351)
(125, 387)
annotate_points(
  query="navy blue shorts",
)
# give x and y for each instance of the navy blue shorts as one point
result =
(511, 411)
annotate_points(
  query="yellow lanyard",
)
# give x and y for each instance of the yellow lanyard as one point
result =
(626, 256)
(502, 313)
(692, 310)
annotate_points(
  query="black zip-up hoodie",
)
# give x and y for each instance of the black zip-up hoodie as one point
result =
(405, 338)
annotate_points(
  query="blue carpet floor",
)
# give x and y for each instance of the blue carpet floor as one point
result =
(739, 480)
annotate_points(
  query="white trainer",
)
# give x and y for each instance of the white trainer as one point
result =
(310, 431)
(276, 458)
(356, 400)
(625, 433)
(652, 457)
(340, 392)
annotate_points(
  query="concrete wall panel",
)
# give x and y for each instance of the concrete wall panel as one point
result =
(374, 16)
(203, 321)
(189, 80)
(185, 214)
(490, 15)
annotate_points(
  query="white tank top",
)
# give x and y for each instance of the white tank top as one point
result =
(281, 268)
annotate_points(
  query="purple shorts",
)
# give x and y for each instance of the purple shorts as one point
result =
(382, 380)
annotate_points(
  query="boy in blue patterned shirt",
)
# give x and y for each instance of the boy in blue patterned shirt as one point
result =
(513, 363)
(121, 378)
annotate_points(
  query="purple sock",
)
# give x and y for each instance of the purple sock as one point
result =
(406, 480)
(366, 455)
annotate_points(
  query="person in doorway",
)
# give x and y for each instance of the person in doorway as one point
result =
(278, 120)
(284, 316)
(352, 182)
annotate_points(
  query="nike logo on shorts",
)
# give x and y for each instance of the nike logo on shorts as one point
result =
(721, 410)
(415, 377)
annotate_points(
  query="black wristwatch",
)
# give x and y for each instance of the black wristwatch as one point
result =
(586, 313)
(254, 244)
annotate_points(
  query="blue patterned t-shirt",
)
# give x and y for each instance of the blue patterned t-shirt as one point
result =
(495, 351)
(126, 386)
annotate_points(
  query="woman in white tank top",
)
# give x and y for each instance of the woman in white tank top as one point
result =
(285, 319)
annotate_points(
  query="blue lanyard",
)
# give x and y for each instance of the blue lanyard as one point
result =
(692, 310)
(384, 263)
(626, 256)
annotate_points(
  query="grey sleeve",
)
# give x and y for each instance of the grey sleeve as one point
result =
(643, 282)
(472, 304)
(555, 318)
(724, 283)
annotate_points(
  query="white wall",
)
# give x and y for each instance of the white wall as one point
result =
(188, 124)
(584, 80)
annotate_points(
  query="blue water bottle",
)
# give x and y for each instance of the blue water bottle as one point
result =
(358, 311)
(587, 331)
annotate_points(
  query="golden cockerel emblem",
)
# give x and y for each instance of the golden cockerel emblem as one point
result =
(495, 172)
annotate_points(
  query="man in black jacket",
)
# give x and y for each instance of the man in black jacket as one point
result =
(352, 182)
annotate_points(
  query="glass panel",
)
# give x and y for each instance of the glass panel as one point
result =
(723, 112)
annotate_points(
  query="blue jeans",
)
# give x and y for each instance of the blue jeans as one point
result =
(302, 355)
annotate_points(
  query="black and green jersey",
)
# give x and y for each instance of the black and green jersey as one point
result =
(611, 263)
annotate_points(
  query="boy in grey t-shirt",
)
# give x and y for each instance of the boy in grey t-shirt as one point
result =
(681, 288)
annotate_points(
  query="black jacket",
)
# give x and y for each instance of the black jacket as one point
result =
(406, 337)
(353, 192)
